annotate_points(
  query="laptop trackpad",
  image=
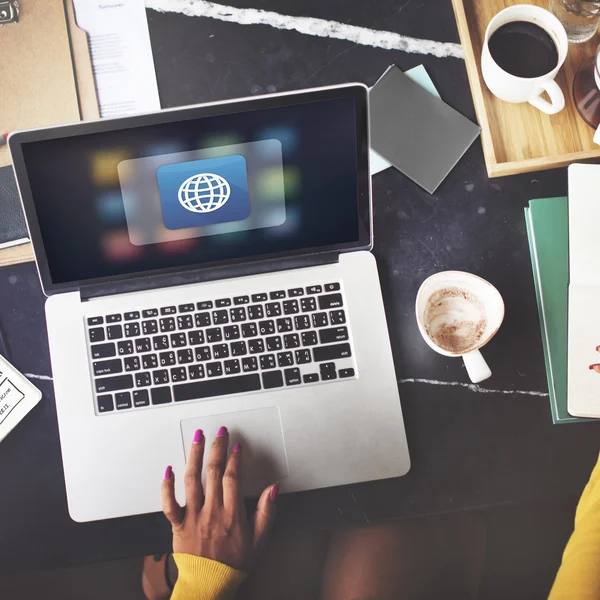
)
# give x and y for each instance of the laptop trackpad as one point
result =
(261, 435)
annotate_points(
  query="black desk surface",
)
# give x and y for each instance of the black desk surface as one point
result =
(469, 449)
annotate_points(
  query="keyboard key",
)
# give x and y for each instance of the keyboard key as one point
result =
(328, 371)
(178, 340)
(97, 335)
(330, 301)
(167, 324)
(238, 348)
(95, 321)
(314, 289)
(220, 350)
(104, 350)
(277, 295)
(232, 367)
(259, 297)
(202, 353)
(332, 287)
(149, 361)
(285, 359)
(231, 332)
(320, 319)
(220, 317)
(125, 348)
(204, 305)
(161, 376)
(142, 379)
(256, 346)
(108, 367)
(202, 319)
(143, 345)
(132, 363)
(132, 316)
(113, 332)
(256, 312)
(272, 379)
(310, 378)
(291, 341)
(141, 398)
(308, 304)
(241, 300)
(178, 374)
(218, 387)
(196, 371)
(291, 307)
(214, 369)
(335, 334)
(273, 309)
(266, 327)
(105, 403)
(274, 343)
(185, 356)
(196, 338)
(168, 310)
(331, 352)
(267, 361)
(110, 384)
(185, 322)
(292, 377)
(214, 335)
(249, 330)
(337, 317)
(302, 356)
(295, 292)
(167, 359)
(223, 302)
(161, 395)
(346, 373)
(249, 364)
(113, 318)
(237, 314)
(302, 322)
(123, 400)
(284, 325)
(149, 327)
(309, 338)
(150, 312)
(160, 342)
(185, 308)
(132, 329)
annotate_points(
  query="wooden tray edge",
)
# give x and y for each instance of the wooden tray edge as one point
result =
(16, 254)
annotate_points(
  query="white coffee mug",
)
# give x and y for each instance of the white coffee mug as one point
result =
(511, 88)
(457, 314)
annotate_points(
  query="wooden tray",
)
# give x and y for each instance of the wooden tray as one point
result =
(518, 138)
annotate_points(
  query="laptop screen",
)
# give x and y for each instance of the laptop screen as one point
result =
(196, 187)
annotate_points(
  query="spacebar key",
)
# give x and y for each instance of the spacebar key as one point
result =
(216, 387)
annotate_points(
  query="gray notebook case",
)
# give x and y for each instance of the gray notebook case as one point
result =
(419, 134)
(12, 221)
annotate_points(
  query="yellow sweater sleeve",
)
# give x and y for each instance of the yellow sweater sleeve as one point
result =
(205, 579)
(579, 575)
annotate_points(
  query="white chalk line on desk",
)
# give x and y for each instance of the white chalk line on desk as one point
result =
(388, 40)
(472, 387)
(34, 376)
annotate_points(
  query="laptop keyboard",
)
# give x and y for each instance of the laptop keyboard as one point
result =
(201, 350)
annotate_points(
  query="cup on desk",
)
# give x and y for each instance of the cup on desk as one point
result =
(523, 49)
(457, 314)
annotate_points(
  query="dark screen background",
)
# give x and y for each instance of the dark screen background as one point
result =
(319, 147)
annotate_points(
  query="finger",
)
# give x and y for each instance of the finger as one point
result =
(194, 494)
(215, 467)
(264, 516)
(232, 485)
(170, 506)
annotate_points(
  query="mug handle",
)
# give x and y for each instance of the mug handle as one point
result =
(476, 366)
(557, 98)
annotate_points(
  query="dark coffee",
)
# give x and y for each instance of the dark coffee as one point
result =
(523, 49)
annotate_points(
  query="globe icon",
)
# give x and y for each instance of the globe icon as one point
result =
(204, 192)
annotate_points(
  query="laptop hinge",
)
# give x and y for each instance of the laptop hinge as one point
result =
(152, 282)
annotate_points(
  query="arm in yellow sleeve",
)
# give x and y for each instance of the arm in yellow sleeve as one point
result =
(579, 575)
(205, 579)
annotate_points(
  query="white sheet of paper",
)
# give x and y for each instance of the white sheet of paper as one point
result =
(418, 75)
(121, 55)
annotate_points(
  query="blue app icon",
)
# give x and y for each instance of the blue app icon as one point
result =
(204, 192)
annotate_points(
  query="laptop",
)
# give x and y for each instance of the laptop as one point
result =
(206, 266)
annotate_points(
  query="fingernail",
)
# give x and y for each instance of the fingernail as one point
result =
(237, 447)
(198, 436)
(222, 431)
(273, 493)
(168, 472)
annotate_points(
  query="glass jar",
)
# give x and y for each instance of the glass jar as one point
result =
(579, 17)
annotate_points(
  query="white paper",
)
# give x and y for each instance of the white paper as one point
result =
(121, 55)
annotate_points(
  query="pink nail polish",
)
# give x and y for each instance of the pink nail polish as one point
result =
(198, 436)
(168, 472)
(222, 431)
(237, 447)
(273, 493)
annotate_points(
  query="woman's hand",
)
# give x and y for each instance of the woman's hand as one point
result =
(214, 523)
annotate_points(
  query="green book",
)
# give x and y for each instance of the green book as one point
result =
(547, 221)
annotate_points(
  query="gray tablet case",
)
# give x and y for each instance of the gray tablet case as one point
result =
(12, 221)
(419, 134)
